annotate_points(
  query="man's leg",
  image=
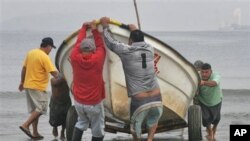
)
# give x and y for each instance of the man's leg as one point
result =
(33, 116)
(216, 117)
(96, 116)
(151, 132)
(136, 126)
(37, 104)
(82, 123)
(35, 125)
(153, 118)
(206, 120)
(210, 132)
(214, 129)
(135, 137)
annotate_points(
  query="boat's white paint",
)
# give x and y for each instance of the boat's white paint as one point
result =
(178, 79)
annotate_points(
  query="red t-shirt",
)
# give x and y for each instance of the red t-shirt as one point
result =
(88, 84)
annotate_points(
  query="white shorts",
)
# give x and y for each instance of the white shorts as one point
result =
(37, 101)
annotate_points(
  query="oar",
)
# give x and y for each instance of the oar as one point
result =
(115, 22)
(137, 15)
(112, 21)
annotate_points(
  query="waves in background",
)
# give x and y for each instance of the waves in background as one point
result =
(227, 51)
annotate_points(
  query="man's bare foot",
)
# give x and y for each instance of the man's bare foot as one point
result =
(214, 130)
(210, 134)
(26, 131)
(25, 127)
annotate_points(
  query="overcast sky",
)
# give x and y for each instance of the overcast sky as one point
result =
(155, 15)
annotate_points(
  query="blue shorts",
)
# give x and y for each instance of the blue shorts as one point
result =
(148, 109)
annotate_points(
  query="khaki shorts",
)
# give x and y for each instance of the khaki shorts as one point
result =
(37, 101)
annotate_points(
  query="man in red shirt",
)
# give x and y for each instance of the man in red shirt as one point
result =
(87, 60)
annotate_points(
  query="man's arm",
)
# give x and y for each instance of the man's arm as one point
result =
(208, 83)
(111, 43)
(97, 36)
(22, 78)
(98, 39)
(214, 81)
(58, 81)
(81, 35)
(99, 43)
(55, 74)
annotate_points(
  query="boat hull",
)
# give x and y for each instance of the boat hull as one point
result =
(177, 78)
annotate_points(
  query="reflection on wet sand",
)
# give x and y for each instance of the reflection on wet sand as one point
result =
(235, 110)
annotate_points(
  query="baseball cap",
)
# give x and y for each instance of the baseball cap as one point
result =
(48, 41)
(88, 45)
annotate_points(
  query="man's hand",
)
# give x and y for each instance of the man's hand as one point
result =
(20, 87)
(132, 27)
(86, 24)
(92, 25)
(202, 83)
(105, 21)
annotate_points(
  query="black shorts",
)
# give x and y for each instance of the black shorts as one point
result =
(210, 115)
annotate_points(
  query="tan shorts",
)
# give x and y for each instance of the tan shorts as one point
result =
(37, 101)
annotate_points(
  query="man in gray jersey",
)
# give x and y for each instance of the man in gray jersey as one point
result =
(138, 64)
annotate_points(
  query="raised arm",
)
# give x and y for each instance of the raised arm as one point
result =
(112, 43)
(99, 43)
(81, 35)
(97, 36)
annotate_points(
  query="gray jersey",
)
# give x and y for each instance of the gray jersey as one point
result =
(138, 63)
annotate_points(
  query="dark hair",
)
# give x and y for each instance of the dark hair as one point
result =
(206, 66)
(136, 36)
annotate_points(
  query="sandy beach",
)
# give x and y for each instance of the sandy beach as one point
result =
(235, 110)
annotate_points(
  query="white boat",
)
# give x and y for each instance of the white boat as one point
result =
(178, 81)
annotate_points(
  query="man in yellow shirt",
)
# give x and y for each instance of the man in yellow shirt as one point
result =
(34, 79)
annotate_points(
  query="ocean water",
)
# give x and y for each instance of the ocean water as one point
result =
(227, 51)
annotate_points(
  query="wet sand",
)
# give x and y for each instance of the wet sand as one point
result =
(13, 107)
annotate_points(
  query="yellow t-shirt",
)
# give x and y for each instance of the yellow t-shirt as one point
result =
(38, 66)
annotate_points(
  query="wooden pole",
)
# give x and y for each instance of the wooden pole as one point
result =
(137, 15)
